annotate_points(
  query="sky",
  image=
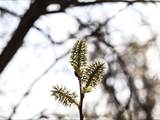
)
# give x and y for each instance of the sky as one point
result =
(37, 54)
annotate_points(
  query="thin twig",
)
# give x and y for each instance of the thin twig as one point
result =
(5, 10)
(47, 35)
(125, 71)
(28, 91)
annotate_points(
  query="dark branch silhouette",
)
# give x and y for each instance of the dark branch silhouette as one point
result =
(38, 8)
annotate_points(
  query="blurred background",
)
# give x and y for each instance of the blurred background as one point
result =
(35, 41)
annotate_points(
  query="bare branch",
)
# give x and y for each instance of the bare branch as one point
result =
(27, 21)
(48, 36)
(125, 71)
(4, 10)
(76, 3)
(38, 8)
(28, 91)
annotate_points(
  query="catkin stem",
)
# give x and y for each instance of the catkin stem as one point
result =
(80, 108)
(81, 105)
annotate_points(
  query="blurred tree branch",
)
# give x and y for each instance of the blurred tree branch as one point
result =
(27, 21)
(38, 8)
(28, 91)
(4, 10)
